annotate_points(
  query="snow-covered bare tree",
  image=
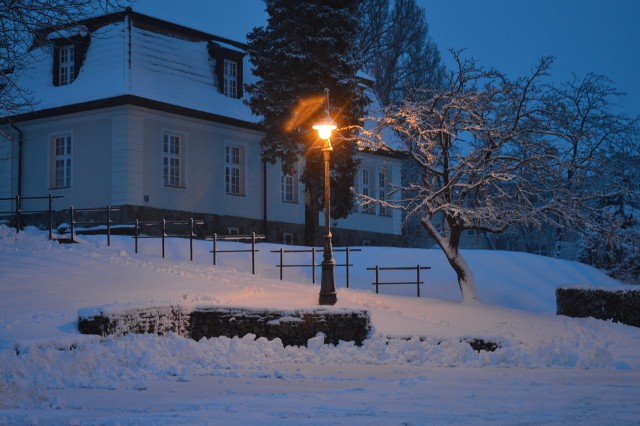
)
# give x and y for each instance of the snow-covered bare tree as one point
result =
(395, 48)
(493, 154)
(598, 147)
(20, 21)
(478, 143)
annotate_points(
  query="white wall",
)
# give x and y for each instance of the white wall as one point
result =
(284, 211)
(373, 221)
(7, 160)
(203, 160)
(91, 157)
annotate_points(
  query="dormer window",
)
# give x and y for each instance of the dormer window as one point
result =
(227, 67)
(68, 56)
(230, 78)
(66, 67)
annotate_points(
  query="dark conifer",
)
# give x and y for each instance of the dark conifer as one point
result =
(307, 46)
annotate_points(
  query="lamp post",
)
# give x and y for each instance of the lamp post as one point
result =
(327, 282)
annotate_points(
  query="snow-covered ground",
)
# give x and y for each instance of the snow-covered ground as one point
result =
(548, 370)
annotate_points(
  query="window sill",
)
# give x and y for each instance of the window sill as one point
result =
(175, 186)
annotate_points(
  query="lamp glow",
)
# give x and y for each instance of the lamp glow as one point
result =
(325, 127)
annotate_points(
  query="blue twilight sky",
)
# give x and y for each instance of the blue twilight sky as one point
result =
(602, 36)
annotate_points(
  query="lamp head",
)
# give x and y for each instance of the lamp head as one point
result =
(325, 127)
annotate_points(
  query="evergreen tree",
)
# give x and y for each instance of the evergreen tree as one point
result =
(308, 46)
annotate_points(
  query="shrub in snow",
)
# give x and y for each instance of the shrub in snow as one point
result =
(618, 306)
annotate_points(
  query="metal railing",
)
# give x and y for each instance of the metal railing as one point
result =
(253, 237)
(107, 222)
(163, 232)
(314, 264)
(18, 212)
(417, 282)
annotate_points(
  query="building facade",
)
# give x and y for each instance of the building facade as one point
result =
(142, 114)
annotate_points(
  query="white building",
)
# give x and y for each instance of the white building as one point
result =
(146, 115)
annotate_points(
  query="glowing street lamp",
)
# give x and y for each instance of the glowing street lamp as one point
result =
(327, 283)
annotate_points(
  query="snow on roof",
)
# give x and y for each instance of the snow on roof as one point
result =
(150, 64)
(179, 72)
(79, 30)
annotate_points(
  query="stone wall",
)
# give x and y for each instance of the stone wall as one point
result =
(619, 306)
(294, 327)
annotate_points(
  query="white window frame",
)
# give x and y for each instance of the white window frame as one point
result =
(382, 191)
(66, 64)
(233, 169)
(173, 155)
(365, 185)
(61, 160)
(289, 186)
(233, 230)
(230, 77)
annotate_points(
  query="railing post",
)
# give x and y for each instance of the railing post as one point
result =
(253, 253)
(73, 229)
(377, 269)
(347, 264)
(50, 217)
(164, 227)
(191, 238)
(17, 213)
(418, 279)
(136, 234)
(281, 261)
(313, 265)
(215, 240)
(108, 226)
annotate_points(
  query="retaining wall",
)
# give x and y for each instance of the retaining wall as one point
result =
(294, 327)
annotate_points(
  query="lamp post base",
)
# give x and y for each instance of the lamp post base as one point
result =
(328, 294)
(327, 297)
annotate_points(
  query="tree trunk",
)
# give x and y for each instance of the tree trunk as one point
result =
(465, 276)
(450, 249)
(311, 217)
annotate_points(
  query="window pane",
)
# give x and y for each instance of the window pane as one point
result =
(171, 162)
(230, 74)
(61, 161)
(66, 67)
(233, 170)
